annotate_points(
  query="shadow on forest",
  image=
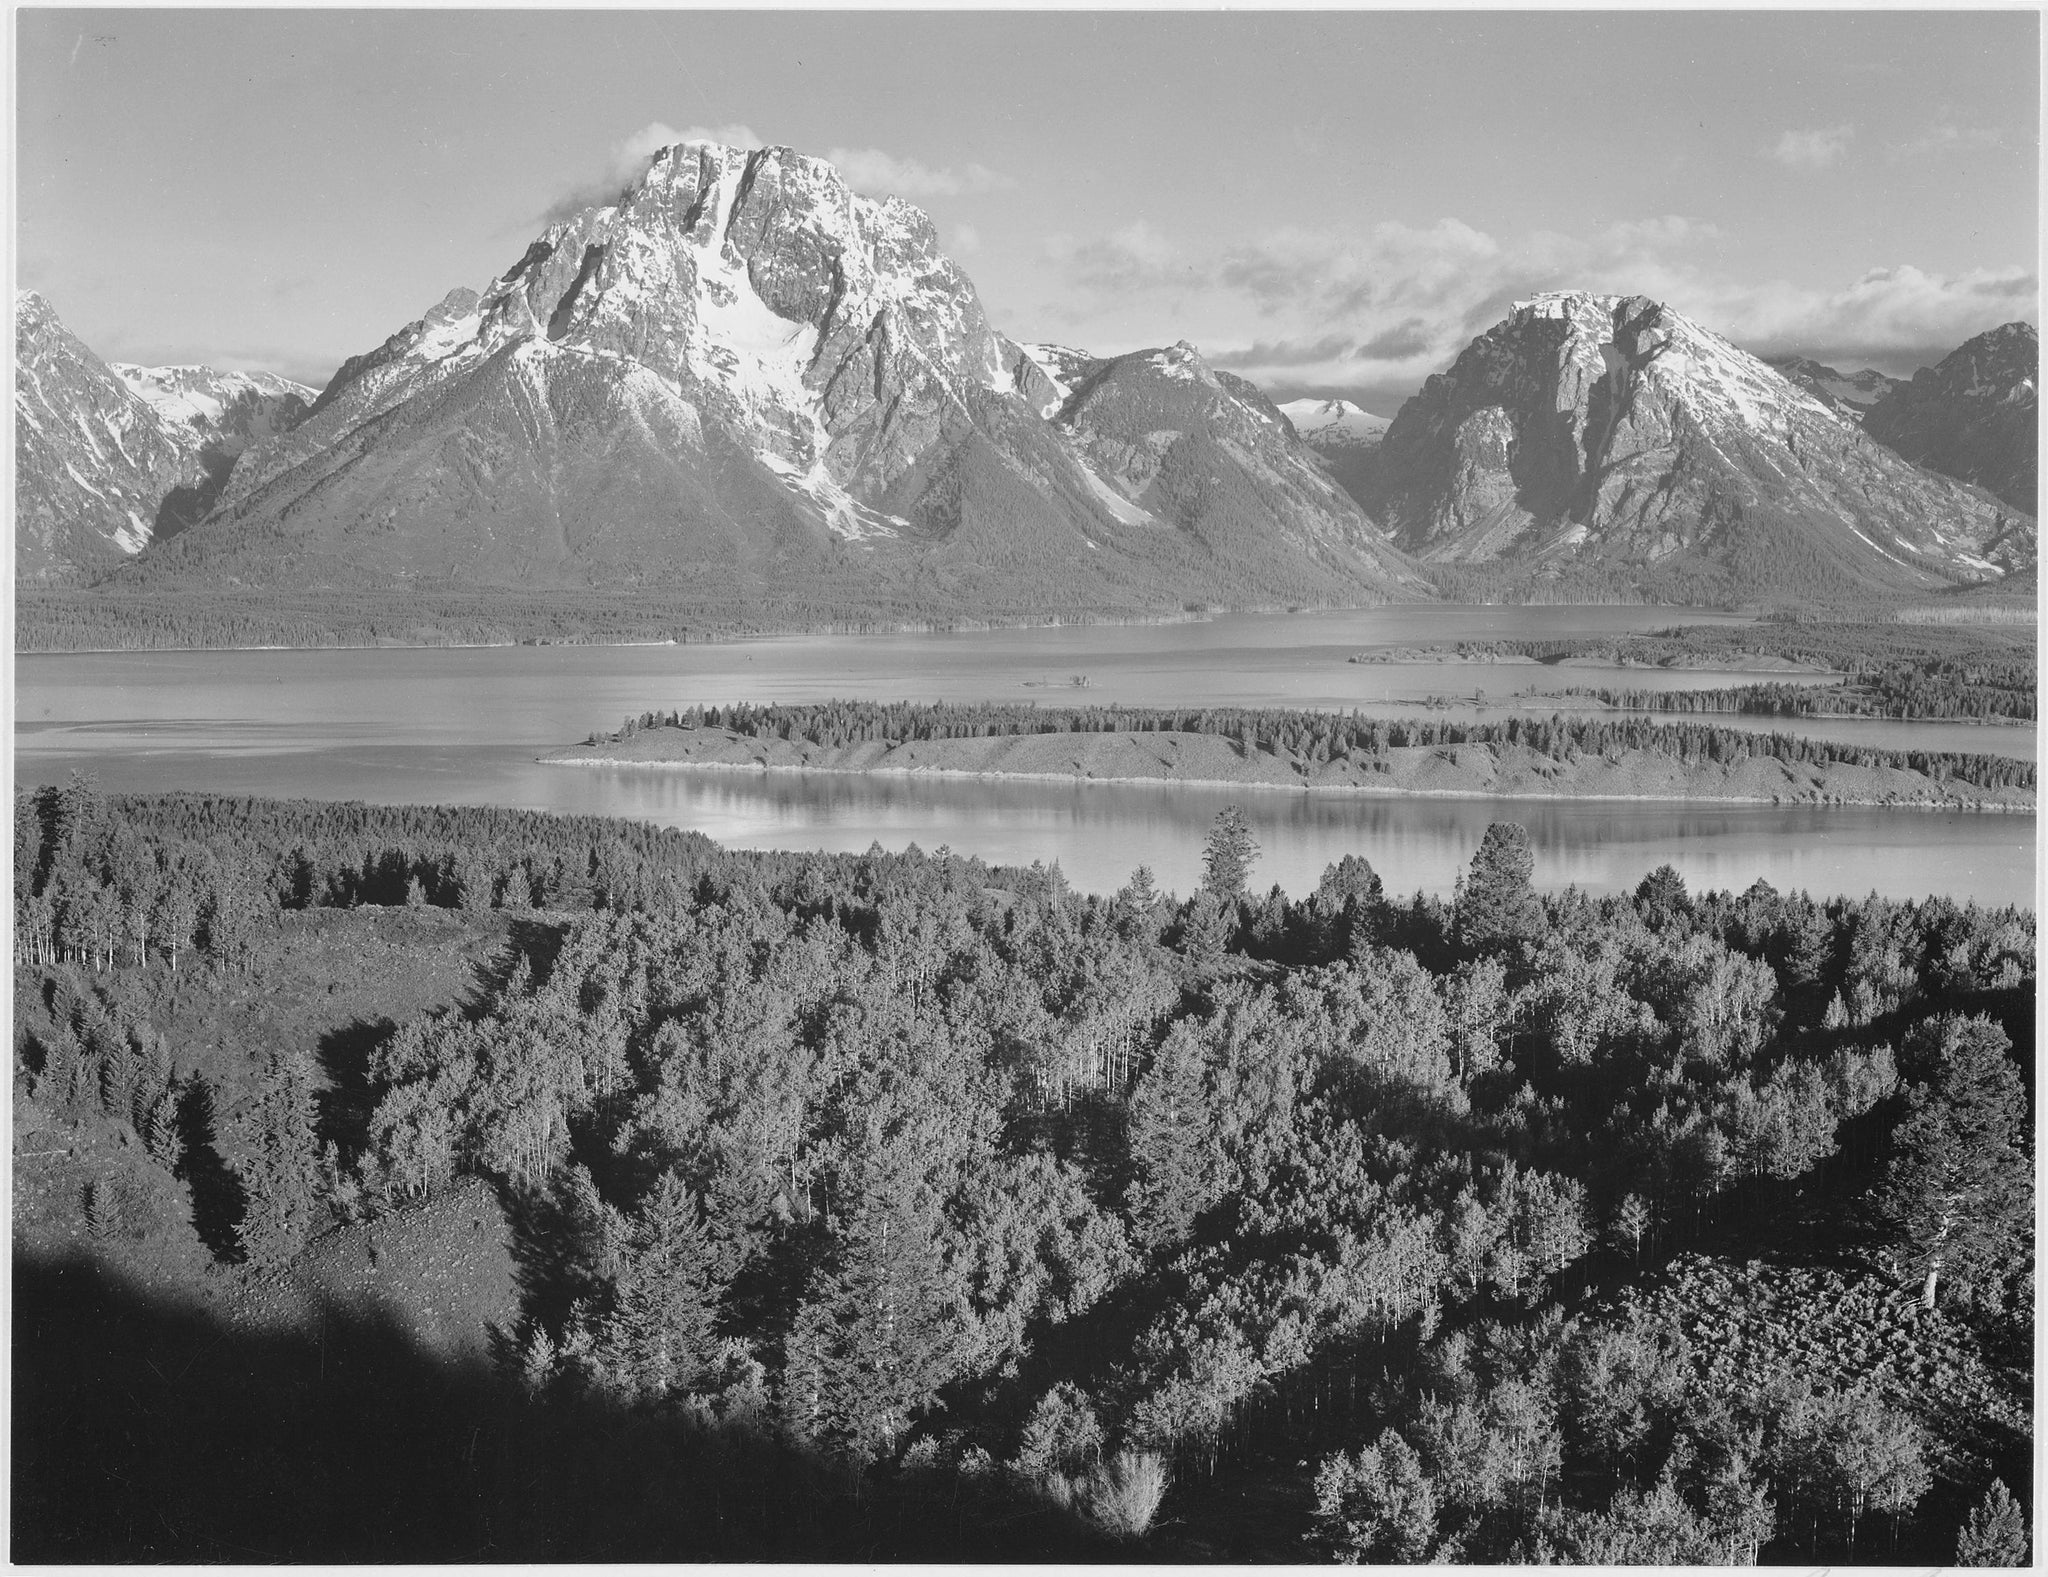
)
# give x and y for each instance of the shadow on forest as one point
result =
(348, 1100)
(218, 1199)
(147, 1430)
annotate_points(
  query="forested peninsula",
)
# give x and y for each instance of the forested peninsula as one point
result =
(407, 1184)
(1561, 757)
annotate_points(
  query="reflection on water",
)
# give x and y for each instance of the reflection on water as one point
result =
(463, 727)
(1100, 832)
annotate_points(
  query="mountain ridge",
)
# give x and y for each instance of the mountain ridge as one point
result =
(96, 470)
(1972, 416)
(1612, 429)
(742, 384)
(740, 377)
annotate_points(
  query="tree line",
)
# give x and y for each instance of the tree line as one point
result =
(933, 1166)
(1937, 689)
(1894, 671)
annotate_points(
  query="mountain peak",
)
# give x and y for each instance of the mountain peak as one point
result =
(96, 470)
(1972, 416)
(1330, 424)
(742, 376)
(1614, 427)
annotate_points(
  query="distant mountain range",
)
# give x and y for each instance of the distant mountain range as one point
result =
(743, 384)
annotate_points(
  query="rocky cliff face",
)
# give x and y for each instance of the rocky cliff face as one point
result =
(1972, 417)
(1614, 431)
(93, 463)
(740, 379)
(1847, 394)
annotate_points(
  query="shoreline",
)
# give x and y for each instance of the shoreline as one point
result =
(791, 631)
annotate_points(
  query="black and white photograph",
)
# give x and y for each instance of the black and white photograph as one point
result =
(1053, 787)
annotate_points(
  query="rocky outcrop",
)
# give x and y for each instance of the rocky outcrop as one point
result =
(1614, 431)
(1972, 417)
(93, 463)
(740, 379)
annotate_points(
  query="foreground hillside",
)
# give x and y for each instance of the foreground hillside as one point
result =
(1557, 757)
(400, 1184)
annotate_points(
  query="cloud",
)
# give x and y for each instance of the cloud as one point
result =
(879, 174)
(1947, 137)
(632, 154)
(1132, 259)
(1284, 356)
(629, 157)
(1899, 318)
(1812, 150)
(1399, 343)
(965, 240)
(1378, 308)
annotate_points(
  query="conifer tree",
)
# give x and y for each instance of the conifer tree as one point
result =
(281, 1174)
(1228, 854)
(1497, 909)
(879, 1333)
(657, 1338)
(1959, 1184)
(1995, 1532)
(1171, 1143)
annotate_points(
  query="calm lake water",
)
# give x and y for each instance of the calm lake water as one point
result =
(463, 726)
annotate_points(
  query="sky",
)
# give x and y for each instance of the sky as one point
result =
(1327, 202)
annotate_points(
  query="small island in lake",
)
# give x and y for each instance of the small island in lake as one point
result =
(1519, 757)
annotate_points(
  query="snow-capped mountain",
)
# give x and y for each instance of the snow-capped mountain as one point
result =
(740, 379)
(1847, 394)
(1060, 366)
(1347, 436)
(1972, 417)
(1336, 424)
(1613, 429)
(219, 414)
(94, 465)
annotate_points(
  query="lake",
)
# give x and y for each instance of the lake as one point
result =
(462, 726)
